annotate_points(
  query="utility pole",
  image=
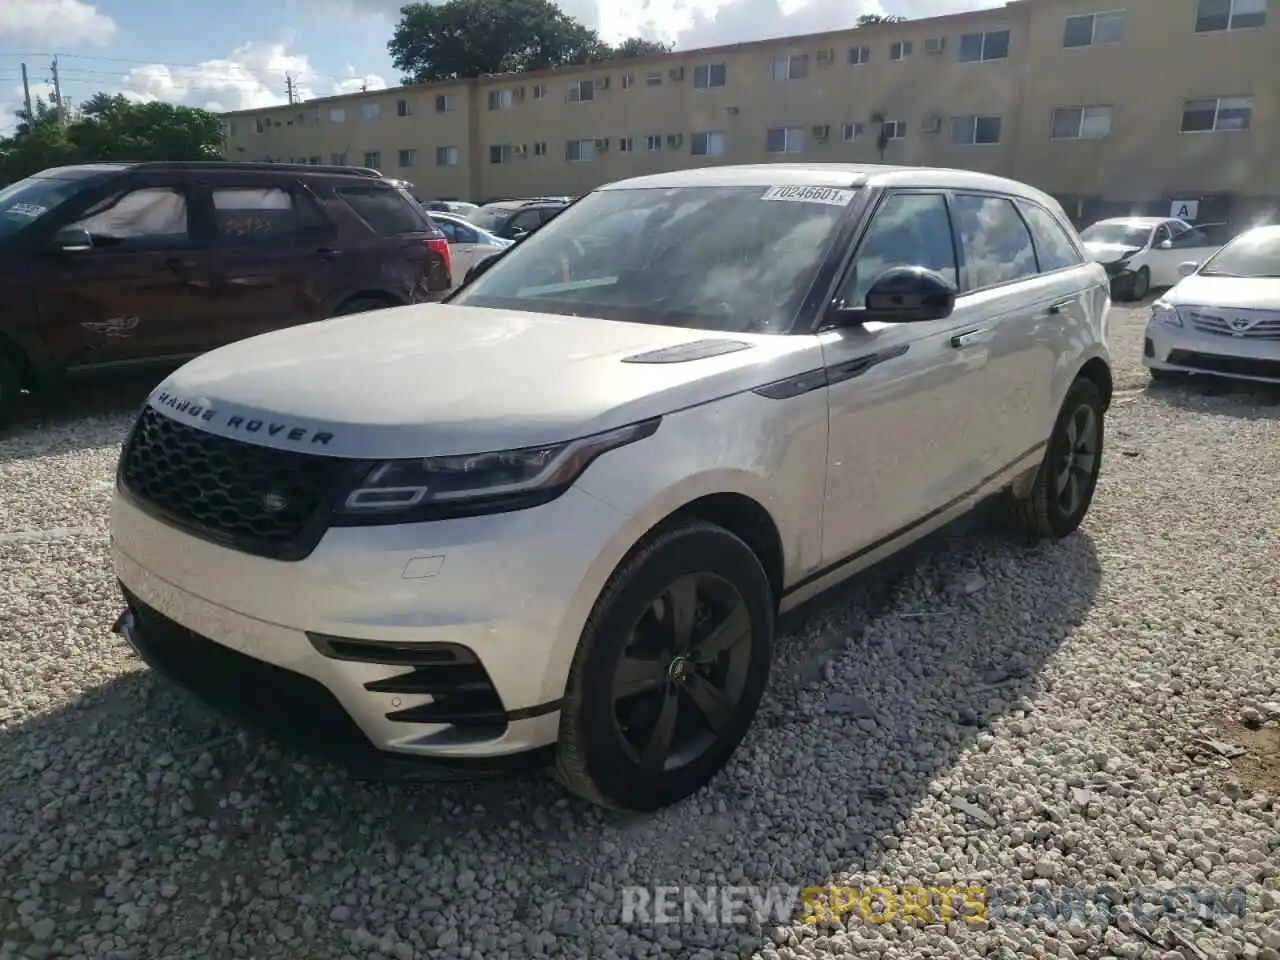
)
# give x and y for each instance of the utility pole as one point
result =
(57, 91)
(26, 96)
(289, 87)
(364, 86)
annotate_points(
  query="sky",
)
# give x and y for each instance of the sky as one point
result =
(236, 54)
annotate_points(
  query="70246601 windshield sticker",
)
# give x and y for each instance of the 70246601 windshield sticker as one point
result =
(833, 196)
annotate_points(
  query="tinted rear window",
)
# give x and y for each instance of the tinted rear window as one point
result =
(386, 210)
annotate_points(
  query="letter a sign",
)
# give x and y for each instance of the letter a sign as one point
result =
(1185, 209)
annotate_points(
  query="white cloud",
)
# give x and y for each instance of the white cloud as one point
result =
(66, 23)
(255, 74)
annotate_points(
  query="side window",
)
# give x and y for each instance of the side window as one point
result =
(528, 220)
(448, 228)
(465, 234)
(1162, 234)
(1054, 249)
(1191, 238)
(149, 216)
(549, 213)
(997, 247)
(1177, 228)
(909, 230)
(261, 215)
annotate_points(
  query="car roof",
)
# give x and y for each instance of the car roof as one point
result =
(1137, 221)
(106, 168)
(836, 175)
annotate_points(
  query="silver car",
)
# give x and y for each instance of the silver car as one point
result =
(1223, 318)
(564, 509)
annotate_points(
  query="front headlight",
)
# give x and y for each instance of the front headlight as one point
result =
(439, 488)
(1167, 313)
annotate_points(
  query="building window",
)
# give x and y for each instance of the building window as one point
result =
(580, 151)
(784, 140)
(338, 159)
(444, 103)
(859, 55)
(337, 115)
(653, 142)
(1095, 29)
(446, 156)
(501, 99)
(403, 109)
(581, 91)
(1081, 123)
(540, 148)
(407, 157)
(626, 145)
(369, 110)
(794, 67)
(894, 129)
(990, 45)
(708, 144)
(653, 78)
(628, 81)
(851, 132)
(1213, 15)
(1217, 115)
(709, 75)
(314, 161)
(501, 153)
(971, 131)
(900, 50)
(373, 160)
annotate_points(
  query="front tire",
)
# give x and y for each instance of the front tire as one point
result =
(1068, 475)
(1140, 286)
(670, 670)
(10, 390)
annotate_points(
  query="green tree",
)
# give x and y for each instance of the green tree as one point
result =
(109, 128)
(469, 38)
(868, 19)
(638, 47)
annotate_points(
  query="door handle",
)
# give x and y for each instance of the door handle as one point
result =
(1061, 306)
(969, 338)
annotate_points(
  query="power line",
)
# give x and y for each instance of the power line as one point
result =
(204, 67)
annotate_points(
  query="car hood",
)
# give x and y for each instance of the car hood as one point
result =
(1196, 290)
(440, 380)
(1108, 252)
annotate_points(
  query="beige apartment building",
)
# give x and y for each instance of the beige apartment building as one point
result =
(1111, 105)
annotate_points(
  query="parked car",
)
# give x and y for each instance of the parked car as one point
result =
(1223, 318)
(1144, 252)
(103, 265)
(567, 512)
(468, 244)
(457, 207)
(513, 219)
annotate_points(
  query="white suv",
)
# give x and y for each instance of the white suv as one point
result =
(565, 508)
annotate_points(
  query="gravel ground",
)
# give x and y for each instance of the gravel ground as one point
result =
(983, 712)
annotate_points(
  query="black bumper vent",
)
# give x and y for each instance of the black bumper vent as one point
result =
(1211, 363)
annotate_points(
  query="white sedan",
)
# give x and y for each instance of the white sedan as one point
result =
(1144, 252)
(1223, 318)
(468, 244)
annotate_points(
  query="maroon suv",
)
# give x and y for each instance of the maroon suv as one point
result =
(107, 265)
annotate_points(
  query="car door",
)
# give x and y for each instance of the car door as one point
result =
(271, 263)
(121, 300)
(1162, 262)
(911, 424)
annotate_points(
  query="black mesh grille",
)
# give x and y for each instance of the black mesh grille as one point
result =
(261, 500)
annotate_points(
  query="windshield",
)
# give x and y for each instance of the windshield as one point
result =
(711, 258)
(490, 218)
(1255, 254)
(1122, 234)
(24, 202)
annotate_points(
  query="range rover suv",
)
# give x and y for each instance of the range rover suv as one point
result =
(563, 512)
(112, 265)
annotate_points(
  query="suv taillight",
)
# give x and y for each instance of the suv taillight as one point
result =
(441, 246)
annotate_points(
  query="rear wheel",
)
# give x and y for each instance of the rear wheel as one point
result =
(1140, 286)
(10, 390)
(670, 670)
(1068, 475)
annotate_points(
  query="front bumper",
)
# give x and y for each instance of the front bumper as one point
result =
(1187, 350)
(448, 641)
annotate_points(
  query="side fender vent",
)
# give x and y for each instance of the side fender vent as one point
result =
(685, 352)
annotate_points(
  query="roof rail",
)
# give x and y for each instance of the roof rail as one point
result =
(257, 165)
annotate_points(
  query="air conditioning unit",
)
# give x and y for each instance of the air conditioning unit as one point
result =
(604, 83)
(676, 73)
(821, 131)
(935, 44)
(602, 144)
(932, 124)
(826, 56)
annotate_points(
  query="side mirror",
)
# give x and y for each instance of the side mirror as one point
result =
(1166, 244)
(71, 240)
(905, 295)
(1187, 268)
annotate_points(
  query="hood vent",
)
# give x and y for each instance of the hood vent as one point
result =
(685, 352)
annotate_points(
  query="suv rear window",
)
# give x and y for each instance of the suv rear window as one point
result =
(386, 210)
